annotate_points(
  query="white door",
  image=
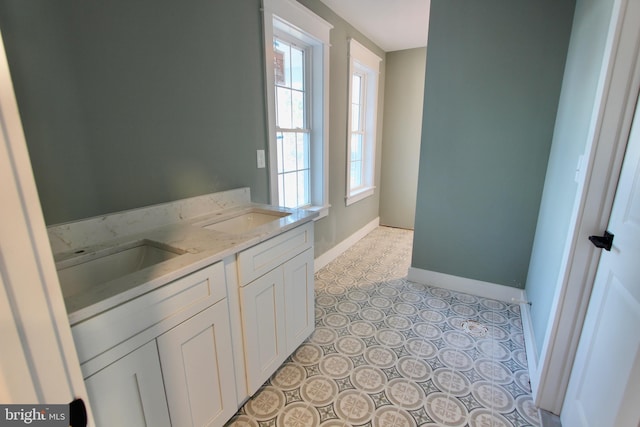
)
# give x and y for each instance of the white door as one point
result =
(38, 360)
(604, 389)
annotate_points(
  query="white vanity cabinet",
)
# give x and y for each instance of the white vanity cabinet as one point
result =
(277, 301)
(189, 352)
(164, 358)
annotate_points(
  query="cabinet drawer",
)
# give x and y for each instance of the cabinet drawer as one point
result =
(259, 259)
(190, 293)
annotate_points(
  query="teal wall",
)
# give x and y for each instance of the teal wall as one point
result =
(494, 71)
(582, 71)
(402, 127)
(132, 103)
(127, 104)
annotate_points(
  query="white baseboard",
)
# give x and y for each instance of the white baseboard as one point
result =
(530, 346)
(469, 286)
(338, 249)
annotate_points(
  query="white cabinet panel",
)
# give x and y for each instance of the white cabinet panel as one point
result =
(197, 367)
(264, 329)
(299, 299)
(130, 392)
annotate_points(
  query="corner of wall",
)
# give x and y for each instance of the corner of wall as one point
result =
(338, 249)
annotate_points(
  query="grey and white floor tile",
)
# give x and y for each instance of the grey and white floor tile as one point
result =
(389, 352)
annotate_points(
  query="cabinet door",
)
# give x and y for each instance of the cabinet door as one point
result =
(130, 392)
(264, 333)
(299, 299)
(197, 367)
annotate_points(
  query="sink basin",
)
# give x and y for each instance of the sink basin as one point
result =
(245, 222)
(86, 270)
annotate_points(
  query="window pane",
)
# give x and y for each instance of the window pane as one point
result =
(282, 63)
(356, 146)
(283, 107)
(278, 65)
(287, 66)
(279, 141)
(303, 150)
(303, 188)
(297, 108)
(355, 117)
(297, 68)
(356, 174)
(290, 190)
(289, 154)
(356, 85)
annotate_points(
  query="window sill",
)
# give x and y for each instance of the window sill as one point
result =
(323, 210)
(359, 195)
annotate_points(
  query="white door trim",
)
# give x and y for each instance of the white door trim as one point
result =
(610, 126)
(38, 361)
(609, 335)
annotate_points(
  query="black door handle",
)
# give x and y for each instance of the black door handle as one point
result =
(603, 242)
(78, 413)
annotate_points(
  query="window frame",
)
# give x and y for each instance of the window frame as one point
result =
(294, 23)
(365, 64)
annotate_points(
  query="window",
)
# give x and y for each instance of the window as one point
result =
(292, 131)
(364, 67)
(356, 171)
(297, 71)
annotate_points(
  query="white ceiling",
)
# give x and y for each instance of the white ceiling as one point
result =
(391, 24)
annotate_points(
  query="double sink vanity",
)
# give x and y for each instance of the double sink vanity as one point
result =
(181, 311)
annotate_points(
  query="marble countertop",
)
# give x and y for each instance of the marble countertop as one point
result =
(199, 246)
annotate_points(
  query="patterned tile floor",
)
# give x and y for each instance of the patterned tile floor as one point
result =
(388, 352)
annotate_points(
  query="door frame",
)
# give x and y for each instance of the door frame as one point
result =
(38, 362)
(613, 112)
